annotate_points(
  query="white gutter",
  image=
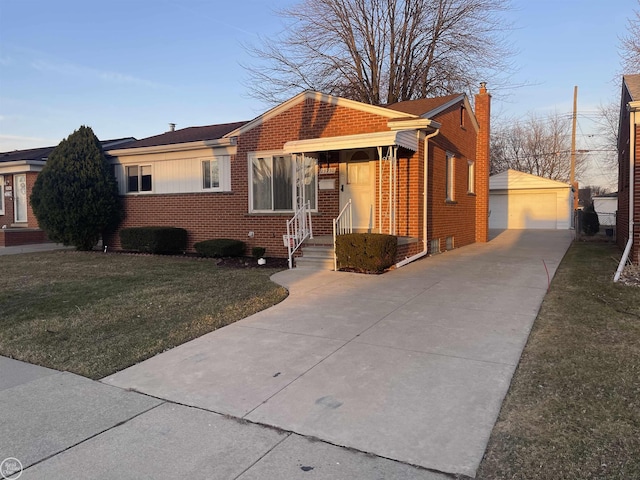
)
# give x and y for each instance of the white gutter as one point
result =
(173, 147)
(424, 204)
(632, 161)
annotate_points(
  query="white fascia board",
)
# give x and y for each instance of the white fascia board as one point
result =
(174, 147)
(403, 138)
(413, 124)
(21, 166)
(321, 97)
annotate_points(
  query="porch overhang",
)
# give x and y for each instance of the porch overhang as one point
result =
(402, 138)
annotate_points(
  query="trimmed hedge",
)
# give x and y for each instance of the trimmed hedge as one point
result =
(221, 247)
(366, 252)
(162, 240)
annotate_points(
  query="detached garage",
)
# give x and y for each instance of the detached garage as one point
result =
(519, 200)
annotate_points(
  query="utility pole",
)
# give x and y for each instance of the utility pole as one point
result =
(574, 185)
(573, 135)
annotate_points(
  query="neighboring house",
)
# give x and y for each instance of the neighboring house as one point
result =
(628, 237)
(18, 172)
(415, 169)
(520, 200)
(606, 206)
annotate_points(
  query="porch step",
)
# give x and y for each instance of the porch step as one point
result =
(316, 257)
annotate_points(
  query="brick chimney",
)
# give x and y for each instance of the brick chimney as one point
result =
(483, 115)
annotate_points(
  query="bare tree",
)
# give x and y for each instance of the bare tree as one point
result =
(539, 146)
(630, 45)
(382, 51)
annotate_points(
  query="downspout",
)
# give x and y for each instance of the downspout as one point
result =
(632, 161)
(424, 204)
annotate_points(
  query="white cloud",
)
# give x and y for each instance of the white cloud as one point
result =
(70, 69)
(8, 143)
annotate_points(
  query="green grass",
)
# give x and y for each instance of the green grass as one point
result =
(95, 314)
(573, 408)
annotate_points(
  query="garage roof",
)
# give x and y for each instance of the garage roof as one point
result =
(515, 180)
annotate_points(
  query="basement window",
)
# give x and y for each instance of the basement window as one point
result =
(435, 246)
(449, 243)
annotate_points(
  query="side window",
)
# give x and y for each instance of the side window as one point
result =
(450, 177)
(471, 177)
(139, 178)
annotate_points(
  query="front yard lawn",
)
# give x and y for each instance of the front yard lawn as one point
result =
(573, 409)
(94, 314)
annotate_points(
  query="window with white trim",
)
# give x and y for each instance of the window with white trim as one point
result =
(471, 177)
(1, 195)
(139, 178)
(450, 177)
(273, 182)
(216, 174)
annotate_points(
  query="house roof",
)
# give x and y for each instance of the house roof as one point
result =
(42, 153)
(322, 97)
(515, 180)
(186, 135)
(633, 86)
(423, 106)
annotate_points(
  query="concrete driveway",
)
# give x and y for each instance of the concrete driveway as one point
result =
(411, 365)
(407, 369)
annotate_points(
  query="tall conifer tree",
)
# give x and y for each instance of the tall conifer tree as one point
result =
(75, 197)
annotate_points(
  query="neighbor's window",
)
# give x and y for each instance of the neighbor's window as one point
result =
(1, 195)
(273, 184)
(139, 178)
(450, 177)
(471, 177)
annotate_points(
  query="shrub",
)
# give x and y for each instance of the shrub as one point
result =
(221, 247)
(590, 222)
(75, 196)
(366, 252)
(162, 240)
(258, 252)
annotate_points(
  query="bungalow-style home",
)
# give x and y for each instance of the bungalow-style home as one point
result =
(627, 236)
(18, 172)
(414, 169)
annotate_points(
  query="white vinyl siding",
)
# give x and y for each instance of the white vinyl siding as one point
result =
(180, 175)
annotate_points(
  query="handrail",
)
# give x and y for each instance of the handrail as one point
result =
(342, 224)
(298, 230)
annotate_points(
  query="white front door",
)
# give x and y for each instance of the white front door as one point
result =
(357, 177)
(20, 198)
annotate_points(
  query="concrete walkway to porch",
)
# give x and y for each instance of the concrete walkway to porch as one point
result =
(411, 365)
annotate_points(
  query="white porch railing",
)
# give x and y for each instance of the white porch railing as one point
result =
(298, 230)
(342, 224)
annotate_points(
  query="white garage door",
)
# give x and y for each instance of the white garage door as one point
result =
(524, 210)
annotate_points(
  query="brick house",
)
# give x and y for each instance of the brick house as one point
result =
(18, 172)
(628, 237)
(415, 169)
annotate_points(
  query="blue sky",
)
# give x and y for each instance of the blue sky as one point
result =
(129, 67)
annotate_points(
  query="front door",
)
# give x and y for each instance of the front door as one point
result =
(357, 183)
(20, 198)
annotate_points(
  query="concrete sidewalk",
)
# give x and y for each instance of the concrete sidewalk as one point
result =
(37, 247)
(410, 366)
